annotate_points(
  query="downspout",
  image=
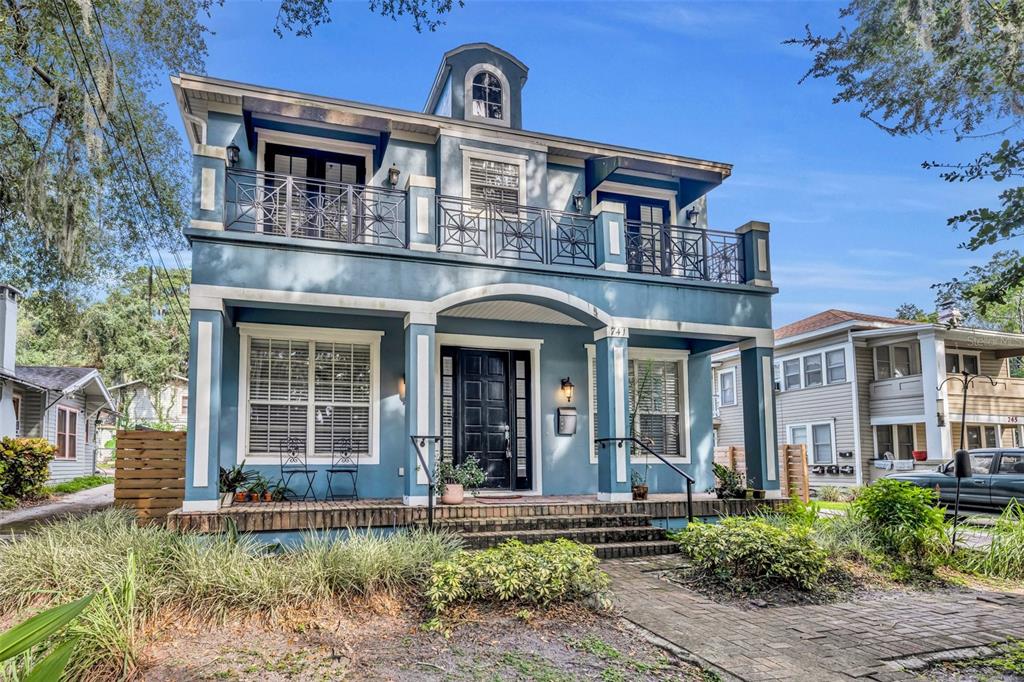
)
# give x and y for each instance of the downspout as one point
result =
(858, 470)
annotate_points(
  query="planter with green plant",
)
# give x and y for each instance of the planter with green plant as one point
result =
(277, 492)
(728, 483)
(258, 488)
(639, 483)
(236, 481)
(453, 481)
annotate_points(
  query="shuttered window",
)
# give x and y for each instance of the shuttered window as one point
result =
(319, 392)
(494, 181)
(658, 384)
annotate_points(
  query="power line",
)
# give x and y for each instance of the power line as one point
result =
(121, 154)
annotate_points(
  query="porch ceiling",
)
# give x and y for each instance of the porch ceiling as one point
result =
(513, 311)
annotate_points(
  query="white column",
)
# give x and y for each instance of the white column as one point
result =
(936, 406)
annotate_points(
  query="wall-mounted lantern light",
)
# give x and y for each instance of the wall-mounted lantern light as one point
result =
(401, 388)
(567, 388)
(691, 216)
(577, 202)
(233, 153)
(393, 174)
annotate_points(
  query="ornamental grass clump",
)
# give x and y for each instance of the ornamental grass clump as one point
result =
(549, 572)
(750, 554)
(905, 521)
(1004, 557)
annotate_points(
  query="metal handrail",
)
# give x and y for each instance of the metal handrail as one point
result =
(684, 252)
(687, 477)
(419, 442)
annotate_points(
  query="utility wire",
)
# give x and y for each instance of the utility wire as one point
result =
(121, 154)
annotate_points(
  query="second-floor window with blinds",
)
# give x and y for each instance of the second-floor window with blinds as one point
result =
(317, 392)
(494, 181)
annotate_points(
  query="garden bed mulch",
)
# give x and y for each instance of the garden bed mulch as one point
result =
(392, 644)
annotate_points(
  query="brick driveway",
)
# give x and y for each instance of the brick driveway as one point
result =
(883, 638)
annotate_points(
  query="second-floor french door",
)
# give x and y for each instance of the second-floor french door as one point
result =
(649, 246)
(314, 188)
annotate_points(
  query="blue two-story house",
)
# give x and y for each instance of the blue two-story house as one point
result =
(364, 274)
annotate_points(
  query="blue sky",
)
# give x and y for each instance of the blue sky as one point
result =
(856, 223)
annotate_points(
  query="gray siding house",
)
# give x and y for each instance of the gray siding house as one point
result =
(869, 395)
(61, 404)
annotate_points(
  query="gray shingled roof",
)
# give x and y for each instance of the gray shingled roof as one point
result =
(53, 378)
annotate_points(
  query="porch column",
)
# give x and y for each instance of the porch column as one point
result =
(612, 357)
(202, 461)
(209, 168)
(938, 441)
(420, 409)
(759, 439)
(610, 233)
(420, 209)
(757, 268)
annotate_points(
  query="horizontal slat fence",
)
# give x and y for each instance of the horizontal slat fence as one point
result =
(792, 467)
(149, 472)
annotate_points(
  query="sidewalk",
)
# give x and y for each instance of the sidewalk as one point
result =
(75, 504)
(889, 637)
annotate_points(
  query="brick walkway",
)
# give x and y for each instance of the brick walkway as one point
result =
(883, 638)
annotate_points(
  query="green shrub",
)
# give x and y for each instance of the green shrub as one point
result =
(749, 554)
(845, 536)
(728, 482)
(24, 467)
(556, 571)
(830, 493)
(904, 520)
(1004, 557)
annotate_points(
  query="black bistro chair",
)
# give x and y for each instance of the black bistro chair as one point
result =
(343, 463)
(293, 461)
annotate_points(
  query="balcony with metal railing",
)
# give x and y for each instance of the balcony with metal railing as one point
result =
(311, 208)
(416, 218)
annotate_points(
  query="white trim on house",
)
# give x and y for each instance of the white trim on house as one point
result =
(469, 153)
(506, 96)
(639, 191)
(204, 373)
(899, 419)
(823, 351)
(722, 372)
(503, 343)
(809, 426)
(960, 353)
(200, 505)
(67, 410)
(677, 355)
(311, 334)
(264, 135)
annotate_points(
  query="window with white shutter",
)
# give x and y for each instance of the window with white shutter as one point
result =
(659, 385)
(494, 181)
(320, 392)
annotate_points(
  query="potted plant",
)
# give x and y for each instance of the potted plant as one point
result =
(453, 481)
(730, 484)
(276, 493)
(639, 482)
(258, 487)
(236, 481)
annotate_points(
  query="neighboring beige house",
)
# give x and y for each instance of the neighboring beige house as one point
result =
(138, 405)
(869, 394)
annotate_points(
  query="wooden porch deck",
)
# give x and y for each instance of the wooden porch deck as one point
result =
(300, 516)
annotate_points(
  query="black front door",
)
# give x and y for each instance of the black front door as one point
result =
(484, 430)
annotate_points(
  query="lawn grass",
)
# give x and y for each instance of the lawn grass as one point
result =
(78, 484)
(832, 505)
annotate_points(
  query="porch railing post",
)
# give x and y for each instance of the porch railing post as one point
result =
(288, 184)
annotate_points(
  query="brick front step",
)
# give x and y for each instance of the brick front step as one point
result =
(588, 536)
(556, 522)
(626, 550)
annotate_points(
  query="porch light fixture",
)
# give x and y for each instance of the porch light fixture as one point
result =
(577, 201)
(232, 152)
(401, 388)
(567, 388)
(393, 174)
(691, 216)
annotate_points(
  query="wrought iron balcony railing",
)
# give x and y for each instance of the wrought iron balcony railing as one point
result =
(524, 233)
(296, 206)
(684, 252)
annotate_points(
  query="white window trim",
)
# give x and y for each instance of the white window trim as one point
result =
(682, 357)
(810, 440)
(799, 357)
(895, 436)
(821, 369)
(292, 333)
(915, 361)
(640, 191)
(492, 155)
(263, 136)
(735, 397)
(56, 429)
(960, 356)
(506, 96)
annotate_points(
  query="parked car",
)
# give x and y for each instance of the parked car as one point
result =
(997, 476)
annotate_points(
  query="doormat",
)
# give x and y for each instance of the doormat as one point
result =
(495, 499)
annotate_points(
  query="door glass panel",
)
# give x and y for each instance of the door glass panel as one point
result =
(652, 214)
(971, 364)
(905, 435)
(901, 361)
(990, 437)
(883, 367)
(884, 437)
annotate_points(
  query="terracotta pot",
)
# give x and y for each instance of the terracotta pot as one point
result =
(454, 493)
(254, 497)
(640, 492)
(268, 497)
(241, 496)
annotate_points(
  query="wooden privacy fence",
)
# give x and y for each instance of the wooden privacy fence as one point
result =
(792, 467)
(149, 472)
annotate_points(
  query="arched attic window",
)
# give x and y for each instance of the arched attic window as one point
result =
(487, 96)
